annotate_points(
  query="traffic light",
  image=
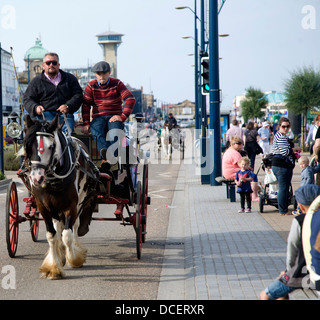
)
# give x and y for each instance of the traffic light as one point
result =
(205, 79)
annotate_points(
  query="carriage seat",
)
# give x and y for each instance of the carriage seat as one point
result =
(108, 176)
(128, 154)
(230, 187)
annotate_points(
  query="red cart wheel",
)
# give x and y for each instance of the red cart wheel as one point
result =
(34, 228)
(34, 222)
(145, 200)
(138, 226)
(12, 219)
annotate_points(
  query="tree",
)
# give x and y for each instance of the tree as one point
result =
(253, 103)
(302, 91)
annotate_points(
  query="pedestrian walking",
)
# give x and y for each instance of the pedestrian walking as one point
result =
(251, 145)
(311, 137)
(233, 131)
(264, 138)
(275, 127)
(283, 163)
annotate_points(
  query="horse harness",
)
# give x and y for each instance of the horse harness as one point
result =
(71, 154)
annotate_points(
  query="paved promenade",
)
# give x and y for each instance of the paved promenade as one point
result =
(226, 254)
(215, 253)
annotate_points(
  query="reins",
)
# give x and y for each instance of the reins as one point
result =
(50, 169)
(73, 164)
(68, 145)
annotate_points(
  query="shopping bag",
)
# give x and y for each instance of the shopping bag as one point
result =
(270, 177)
(273, 191)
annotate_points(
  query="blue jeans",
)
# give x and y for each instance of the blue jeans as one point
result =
(277, 290)
(49, 116)
(284, 176)
(252, 160)
(108, 134)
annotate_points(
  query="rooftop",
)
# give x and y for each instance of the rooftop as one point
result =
(109, 33)
(36, 52)
(275, 97)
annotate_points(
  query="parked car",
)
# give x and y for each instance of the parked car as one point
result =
(186, 123)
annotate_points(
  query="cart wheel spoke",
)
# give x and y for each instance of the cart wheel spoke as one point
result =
(145, 200)
(138, 227)
(12, 219)
(34, 228)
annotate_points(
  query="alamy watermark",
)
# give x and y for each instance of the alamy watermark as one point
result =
(8, 274)
(8, 17)
(309, 20)
(175, 147)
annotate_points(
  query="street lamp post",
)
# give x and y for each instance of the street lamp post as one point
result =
(200, 108)
(196, 70)
(215, 139)
(205, 177)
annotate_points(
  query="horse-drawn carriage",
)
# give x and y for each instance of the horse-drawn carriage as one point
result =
(65, 188)
(169, 140)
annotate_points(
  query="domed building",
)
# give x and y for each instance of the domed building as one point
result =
(33, 59)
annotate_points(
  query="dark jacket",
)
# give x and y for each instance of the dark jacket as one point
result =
(42, 92)
(171, 122)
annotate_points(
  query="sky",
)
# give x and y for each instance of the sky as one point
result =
(268, 39)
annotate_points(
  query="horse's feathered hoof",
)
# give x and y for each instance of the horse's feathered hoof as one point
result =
(54, 273)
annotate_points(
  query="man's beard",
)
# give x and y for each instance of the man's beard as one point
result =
(52, 74)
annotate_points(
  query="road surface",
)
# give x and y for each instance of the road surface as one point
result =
(112, 270)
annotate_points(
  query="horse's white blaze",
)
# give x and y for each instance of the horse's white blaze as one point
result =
(45, 156)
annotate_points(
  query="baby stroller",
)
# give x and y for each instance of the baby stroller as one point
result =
(269, 194)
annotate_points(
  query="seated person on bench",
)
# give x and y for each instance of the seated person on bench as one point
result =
(230, 164)
(231, 157)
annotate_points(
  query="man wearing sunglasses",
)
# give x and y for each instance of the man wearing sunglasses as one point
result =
(53, 91)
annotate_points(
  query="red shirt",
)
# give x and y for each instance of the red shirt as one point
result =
(107, 100)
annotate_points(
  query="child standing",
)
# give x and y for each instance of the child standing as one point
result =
(307, 173)
(243, 178)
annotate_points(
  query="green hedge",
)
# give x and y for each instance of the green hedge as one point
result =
(11, 162)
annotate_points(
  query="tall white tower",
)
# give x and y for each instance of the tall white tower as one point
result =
(110, 41)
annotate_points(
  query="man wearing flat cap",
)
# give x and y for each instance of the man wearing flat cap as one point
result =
(106, 95)
(295, 276)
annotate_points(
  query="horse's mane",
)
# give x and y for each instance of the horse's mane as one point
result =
(30, 137)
